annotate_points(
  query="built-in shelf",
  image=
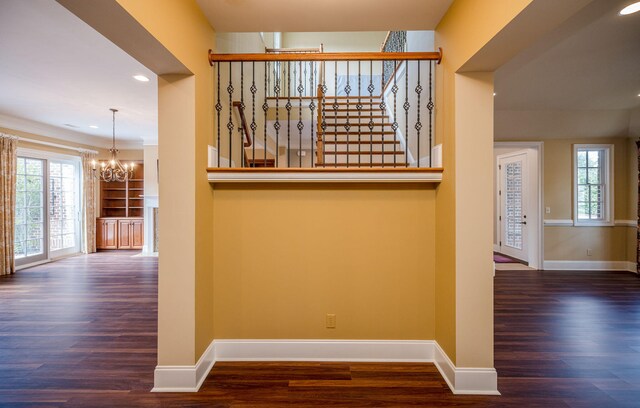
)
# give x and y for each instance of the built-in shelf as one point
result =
(118, 193)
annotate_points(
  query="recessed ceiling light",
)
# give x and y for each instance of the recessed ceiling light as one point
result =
(630, 9)
(141, 78)
(494, 94)
(93, 126)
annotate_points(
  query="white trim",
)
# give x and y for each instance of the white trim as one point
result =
(569, 223)
(58, 145)
(590, 266)
(496, 248)
(609, 190)
(534, 261)
(463, 380)
(324, 176)
(626, 223)
(184, 378)
(558, 223)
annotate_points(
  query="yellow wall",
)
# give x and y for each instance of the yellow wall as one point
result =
(286, 255)
(463, 221)
(571, 243)
(185, 129)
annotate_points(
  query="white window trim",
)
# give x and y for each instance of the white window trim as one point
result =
(608, 176)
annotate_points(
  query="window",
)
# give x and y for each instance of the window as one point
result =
(47, 206)
(593, 185)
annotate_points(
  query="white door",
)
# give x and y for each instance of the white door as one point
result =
(64, 207)
(513, 194)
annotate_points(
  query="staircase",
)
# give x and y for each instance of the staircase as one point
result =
(348, 139)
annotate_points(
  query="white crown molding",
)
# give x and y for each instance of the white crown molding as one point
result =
(42, 129)
(461, 380)
(589, 266)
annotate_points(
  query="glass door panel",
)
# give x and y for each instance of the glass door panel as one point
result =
(63, 207)
(30, 222)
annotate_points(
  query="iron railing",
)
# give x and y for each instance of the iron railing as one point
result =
(324, 110)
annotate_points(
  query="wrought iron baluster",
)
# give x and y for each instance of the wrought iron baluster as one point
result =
(418, 123)
(359, 107)
(276, 125)
(430, 106)
(288, 107)
(335, 111)
(371, 88)
(394, 126)
(253, 112)
(218, 109)
(406, 107)
(383, 110)
(265, 108)
(312, 106)
(230, 123)
(300, 124)
(347, 126)
(240, 127)
(324, 120)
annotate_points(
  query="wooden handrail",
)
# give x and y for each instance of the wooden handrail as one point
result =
(333, 56)
(386, 38)
(243, 123)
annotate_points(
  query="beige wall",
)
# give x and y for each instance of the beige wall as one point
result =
(464, 286)
(286, 255)
(571, 243)
(185, 316)
(336, 41)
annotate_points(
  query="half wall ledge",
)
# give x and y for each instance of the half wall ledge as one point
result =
(331, 175)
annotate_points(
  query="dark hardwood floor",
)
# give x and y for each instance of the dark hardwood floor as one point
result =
(81, 332)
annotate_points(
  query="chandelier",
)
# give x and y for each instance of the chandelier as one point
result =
(113, 170)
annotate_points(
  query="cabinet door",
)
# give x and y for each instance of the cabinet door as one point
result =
(137, 234)
(100, 234)
(108, 234)
(124, 234)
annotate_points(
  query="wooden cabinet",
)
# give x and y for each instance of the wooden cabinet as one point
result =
(119, 233)
(106, 233)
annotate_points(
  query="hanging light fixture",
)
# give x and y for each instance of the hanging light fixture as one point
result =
(113, 170)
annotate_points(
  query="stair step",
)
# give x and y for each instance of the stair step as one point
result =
(362, 152)
(355, 117)
(329, 102)
(362, 142)
(262, 163)
(397, 164)
(364, 133)
(333, 124)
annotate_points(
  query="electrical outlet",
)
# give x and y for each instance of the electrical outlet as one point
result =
(589, 252)
(331, 321)
(547, 210)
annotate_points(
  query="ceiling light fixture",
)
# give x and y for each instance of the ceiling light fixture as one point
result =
(141, 78)
(93, 126)
(630, 9)
(113, 170)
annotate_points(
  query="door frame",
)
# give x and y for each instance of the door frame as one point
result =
(47, 156)
(536, 189)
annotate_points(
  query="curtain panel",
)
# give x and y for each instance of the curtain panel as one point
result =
(8, 160)
(88, 203)
(638, 225)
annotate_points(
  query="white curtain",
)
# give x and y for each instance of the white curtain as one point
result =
(88, 203)
(8, 159)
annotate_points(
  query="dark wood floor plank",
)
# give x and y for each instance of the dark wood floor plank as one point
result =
(81, 332)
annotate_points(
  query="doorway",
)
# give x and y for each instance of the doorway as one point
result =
(47, 207)
(518, 202)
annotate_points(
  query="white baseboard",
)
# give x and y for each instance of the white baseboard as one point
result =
(590, 266)
(460, 380)
(184, 378)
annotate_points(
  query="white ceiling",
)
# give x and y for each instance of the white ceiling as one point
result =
(56, 70)
(325, 15)
(589, 68)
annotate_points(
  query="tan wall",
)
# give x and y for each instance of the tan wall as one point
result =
(185, 322)
(336, 41)
(465, 313)
(571, 243)
(285, 256)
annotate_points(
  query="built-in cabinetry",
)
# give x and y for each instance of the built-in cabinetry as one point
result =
(121, 225)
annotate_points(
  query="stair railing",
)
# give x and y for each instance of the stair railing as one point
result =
(303, 119)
